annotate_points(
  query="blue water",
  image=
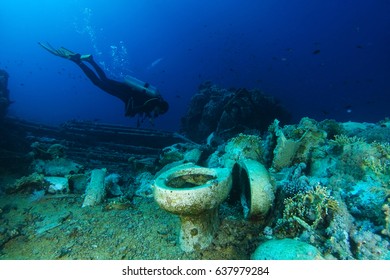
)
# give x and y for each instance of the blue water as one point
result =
(322, 59)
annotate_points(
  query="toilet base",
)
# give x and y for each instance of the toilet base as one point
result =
(197, 232)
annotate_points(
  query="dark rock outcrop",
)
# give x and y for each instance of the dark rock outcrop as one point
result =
(229, 112)
(4, 93)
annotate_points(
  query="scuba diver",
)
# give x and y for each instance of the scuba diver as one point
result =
(140, 98)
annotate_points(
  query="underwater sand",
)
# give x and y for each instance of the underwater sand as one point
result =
(56, 227)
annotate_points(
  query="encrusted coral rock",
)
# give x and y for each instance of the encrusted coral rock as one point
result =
(295, 144)
(29, 183)
(310, 210)
(171, 154)
(143, 183)
(286, 249)
(365, 200)
(229, 112)
(180, 153)
(56, 167)
(244, 146)
(284, 152)
(77, 182)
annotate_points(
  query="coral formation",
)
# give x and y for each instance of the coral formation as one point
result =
(295, 143)
(309, 211)
(244, 146)
(296, 181)
(229, 112)
(369, 245)
(27, 184)
(347, 183)
(365, 200)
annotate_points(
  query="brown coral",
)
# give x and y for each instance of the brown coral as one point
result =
(307, 211)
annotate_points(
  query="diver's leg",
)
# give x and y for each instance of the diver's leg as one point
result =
(115, 88)
(114, 84)
(97, 68)
(91, 75)
(118, 89)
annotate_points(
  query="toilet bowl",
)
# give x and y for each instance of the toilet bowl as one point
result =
(194, 194)
(256, 190)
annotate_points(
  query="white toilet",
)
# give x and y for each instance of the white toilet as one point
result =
(257, 189)
(194, 194)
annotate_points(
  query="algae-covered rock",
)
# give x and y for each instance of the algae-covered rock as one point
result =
(77, 182)
(244, 146)
(143, 184)
(286, 249)
(180, 153)
(171, 154)
(295, 143)
(56, 167)
(28, 184)
(284, 152)
(365, 200)
(355, 157)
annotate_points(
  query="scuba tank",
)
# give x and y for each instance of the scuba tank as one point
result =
(141, 86)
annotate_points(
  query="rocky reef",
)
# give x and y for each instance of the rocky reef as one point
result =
(332, 186)
(4, 93)
(229, 112)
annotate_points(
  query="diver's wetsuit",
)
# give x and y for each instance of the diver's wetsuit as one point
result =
(136, 102)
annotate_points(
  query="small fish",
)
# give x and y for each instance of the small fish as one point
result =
(316, 51)
(348, 108)
(325, 112)
(154, 63)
